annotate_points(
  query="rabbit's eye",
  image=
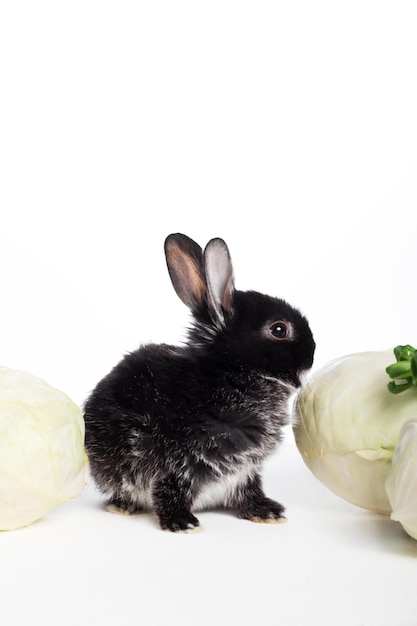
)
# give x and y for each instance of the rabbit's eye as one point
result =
(280, 330)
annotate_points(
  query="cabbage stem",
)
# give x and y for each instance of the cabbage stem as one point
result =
(404, 372)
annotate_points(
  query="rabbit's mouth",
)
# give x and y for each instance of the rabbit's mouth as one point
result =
(297, 379)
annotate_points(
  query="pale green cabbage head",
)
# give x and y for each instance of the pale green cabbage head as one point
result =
(401, 484)
(347, 425)
(42, 458)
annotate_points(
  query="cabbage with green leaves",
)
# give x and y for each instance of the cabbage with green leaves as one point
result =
(347, 422)
(42, 457)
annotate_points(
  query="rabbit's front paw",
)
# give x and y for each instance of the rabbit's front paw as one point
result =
(264, 511)
(182, 521)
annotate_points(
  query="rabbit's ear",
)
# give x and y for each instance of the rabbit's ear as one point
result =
(185, 266)
(219, 276)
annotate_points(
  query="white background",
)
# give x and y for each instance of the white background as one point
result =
(290, 130)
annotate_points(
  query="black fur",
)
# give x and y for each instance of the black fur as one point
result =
(175, 429)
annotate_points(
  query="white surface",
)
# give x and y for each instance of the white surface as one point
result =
(331, 563)
(289, 129)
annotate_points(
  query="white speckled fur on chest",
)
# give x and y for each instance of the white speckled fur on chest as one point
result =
(220, 491)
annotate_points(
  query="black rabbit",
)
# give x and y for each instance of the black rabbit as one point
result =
(178, 429)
